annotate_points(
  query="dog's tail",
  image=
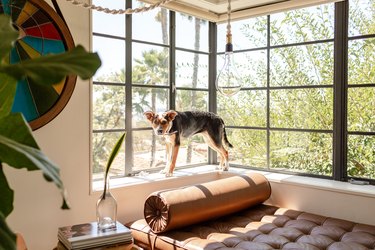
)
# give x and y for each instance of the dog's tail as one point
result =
(225, 138)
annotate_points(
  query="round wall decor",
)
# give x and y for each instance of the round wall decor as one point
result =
(41, 31)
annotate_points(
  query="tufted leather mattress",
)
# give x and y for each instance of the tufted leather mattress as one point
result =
(256, 227)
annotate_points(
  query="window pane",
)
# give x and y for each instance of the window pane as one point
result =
(108, 107)
(246, 34)
(107, 23)
(101, 148)
(152, 25)
(361, 156)
(361, 109)
(187, 100)
(248, 108)
(301, 152)
(302, 108)
(145, 99)
(303, 25)
(361, 17)
(249, 147)
(250, 66)
(112, 55)
(191, 32)
(302, 65)
(150, 65)
(191, 70)
(361, 60)
(149, 151)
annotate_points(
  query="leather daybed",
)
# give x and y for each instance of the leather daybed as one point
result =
(230, 214)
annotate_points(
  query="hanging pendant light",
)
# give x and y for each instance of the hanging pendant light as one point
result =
(228, 82)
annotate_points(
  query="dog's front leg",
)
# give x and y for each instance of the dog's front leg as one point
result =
(168, 157)
(172, 163)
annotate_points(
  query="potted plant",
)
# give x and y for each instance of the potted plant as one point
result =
(18, 148)
(106, 207)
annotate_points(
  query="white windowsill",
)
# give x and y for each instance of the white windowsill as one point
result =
(308, 182)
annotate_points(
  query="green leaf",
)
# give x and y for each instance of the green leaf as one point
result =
(7, 237)
(7, 92)
(8, 35)
(6, 195)
(19, 150)
(112, 156)
(51, 69)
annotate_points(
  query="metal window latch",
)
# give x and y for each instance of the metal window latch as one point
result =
(358, 182)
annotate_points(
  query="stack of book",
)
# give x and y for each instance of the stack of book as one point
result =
(87, 235)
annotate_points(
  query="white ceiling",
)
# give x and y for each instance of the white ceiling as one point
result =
(216, 10)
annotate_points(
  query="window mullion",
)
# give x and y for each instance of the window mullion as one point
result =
(340, 91)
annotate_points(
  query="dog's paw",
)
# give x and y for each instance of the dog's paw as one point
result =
(168, 174)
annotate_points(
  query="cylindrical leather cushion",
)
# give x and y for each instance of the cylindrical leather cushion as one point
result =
(175, 208)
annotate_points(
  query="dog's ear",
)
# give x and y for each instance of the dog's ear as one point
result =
(170, 115)
(149, 115)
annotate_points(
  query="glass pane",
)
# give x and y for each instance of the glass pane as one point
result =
(361, 109)
(361, 156)
(149, 151)
(112, 55)
(145, 99)
(361, 17)
(249, 147)
(302, 108)
(191, 70)
(361, 60)
(246, 34)
(152, 25)
(248, 108)
(250, 66)
(303, 25)
(107, 23)
(108, 107)
(101, 148)
(191, 32)
(187, 100)
(150, 65)
(302, 65)
(301, 152)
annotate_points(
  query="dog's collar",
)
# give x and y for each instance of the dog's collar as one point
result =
(171, 133)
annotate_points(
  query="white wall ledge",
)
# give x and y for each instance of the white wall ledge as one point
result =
(210, 170)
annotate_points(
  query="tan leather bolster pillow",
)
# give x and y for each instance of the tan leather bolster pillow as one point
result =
(175, 208)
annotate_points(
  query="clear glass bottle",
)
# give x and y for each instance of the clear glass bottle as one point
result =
(106, 209)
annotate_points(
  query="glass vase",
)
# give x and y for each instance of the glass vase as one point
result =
(106, 209)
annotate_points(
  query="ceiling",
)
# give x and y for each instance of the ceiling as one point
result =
(216, 10)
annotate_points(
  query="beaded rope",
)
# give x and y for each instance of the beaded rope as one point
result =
(128, 11)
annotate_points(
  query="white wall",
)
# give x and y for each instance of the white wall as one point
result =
(66, 141)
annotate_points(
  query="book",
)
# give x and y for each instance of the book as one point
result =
(87, 235)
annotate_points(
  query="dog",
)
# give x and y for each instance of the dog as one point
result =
(173, 125)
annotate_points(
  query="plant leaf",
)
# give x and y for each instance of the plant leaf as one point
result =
(7, 237)
(51, 69)
(8, 35)
(19, 150)
(112, 156)
(6, 195)
(7, 92)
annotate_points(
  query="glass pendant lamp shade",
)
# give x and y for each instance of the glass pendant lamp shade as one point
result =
(228, 82)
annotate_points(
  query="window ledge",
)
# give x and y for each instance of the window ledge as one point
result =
(210, 170)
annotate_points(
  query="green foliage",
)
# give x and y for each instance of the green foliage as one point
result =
(18, 148)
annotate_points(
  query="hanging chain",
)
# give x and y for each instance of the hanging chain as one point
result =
(128, 11)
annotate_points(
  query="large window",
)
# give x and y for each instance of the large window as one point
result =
(306, 106)
(147, 65)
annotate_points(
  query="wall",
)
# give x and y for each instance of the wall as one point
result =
(66, 140)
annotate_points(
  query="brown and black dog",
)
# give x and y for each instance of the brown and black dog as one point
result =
(173, 125)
